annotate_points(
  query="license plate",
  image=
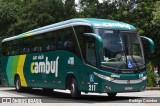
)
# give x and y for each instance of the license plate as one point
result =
(128, 88)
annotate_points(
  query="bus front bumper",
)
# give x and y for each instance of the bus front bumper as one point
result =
(122, 86)
(116, 86)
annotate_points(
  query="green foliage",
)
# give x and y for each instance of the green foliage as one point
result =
(151, 76)
(23, 15)
(8, 14)
(33, 15)
(156, 13)
(156, 31)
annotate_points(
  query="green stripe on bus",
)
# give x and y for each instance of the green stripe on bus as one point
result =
(9, 69)
(15, 65)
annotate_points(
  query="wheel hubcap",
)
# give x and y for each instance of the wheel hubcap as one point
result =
(72, 88)
(17, 84)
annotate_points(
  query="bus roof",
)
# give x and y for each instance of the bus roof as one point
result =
(94, 22)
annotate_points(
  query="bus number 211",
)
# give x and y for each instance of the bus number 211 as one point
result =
(92, 87)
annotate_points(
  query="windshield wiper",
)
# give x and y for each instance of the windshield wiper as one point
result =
(125, 54)
(135, 62)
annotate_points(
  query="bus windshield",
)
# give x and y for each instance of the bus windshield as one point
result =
(122, 50)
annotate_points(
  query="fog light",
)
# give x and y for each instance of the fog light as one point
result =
(107, 87)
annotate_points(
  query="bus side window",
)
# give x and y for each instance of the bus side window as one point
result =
(49, 41)
(80, 30)
(87, 44)
(15, 47)
(37, 43)
(26, 45)
(69, 43)
(59, 40)
(10, 47)
(90, 53)
(5, 48)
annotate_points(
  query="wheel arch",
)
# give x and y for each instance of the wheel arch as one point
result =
(68, 80)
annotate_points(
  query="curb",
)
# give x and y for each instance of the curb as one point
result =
(153, 88)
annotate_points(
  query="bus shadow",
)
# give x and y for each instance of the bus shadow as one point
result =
(65, 97)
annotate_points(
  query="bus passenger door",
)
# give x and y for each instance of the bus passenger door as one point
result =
(94, 45)
(90, 52)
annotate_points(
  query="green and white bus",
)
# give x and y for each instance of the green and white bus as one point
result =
(82, 55)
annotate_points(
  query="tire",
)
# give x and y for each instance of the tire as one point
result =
(18, 84)
(112, 94)
(75, 93)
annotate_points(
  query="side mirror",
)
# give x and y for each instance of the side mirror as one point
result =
(97, 38)
(151, 42)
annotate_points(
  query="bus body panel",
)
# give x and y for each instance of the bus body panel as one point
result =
(125, 83)
(50, 69)
(40, 70)
(43, 79)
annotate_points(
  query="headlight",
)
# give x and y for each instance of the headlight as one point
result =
(144, 78)
(103, 77)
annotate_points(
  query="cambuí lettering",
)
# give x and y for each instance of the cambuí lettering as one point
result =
(45, 67)
(117, 25)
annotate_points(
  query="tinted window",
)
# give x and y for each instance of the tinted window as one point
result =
(15, 47)
(49, 41)
(69, 40)
(86, 44)
(80, 30)
(26, 45)
(66, 40)
(6, 48)
(90, 51)
(10, 48)
(37, 42)
(63, 39)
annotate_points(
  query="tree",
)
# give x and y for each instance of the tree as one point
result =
(89, 8)
(69, 9)
(151, 76)
(33, 15)
(156, 32)
(8, 14)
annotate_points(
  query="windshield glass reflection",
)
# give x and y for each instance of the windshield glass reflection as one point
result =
(122, 50)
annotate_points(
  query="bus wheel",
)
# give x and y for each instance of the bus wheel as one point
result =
(75, 93)
(112, 94)
(18, 84)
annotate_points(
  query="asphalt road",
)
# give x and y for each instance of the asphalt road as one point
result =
(59, 96)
